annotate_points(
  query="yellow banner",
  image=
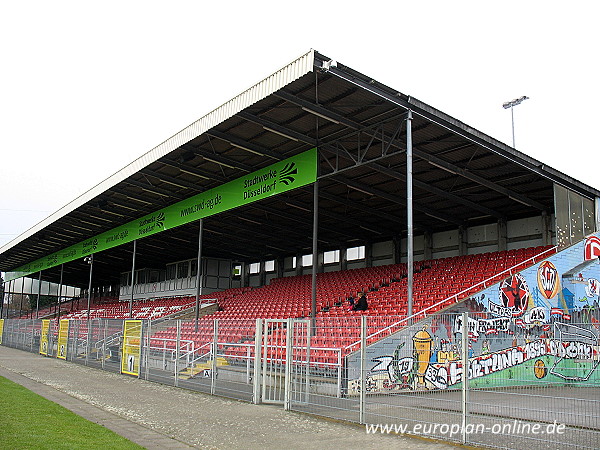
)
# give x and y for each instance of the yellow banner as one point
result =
(63, 339)
(44, 337)
(1, 329)
(131, 351)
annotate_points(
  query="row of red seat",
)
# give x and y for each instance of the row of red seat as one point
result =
(436, 281)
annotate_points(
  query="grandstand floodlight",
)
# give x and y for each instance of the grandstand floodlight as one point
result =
(439, 166)
(256, 152)
(280, 133)
(323, 116)
(221, 163)
(511, 104)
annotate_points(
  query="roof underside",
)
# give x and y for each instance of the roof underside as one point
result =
(461, 178)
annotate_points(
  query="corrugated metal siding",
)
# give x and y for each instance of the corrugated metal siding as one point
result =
(297, 68)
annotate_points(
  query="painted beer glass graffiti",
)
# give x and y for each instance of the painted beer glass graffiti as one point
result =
(538, 325)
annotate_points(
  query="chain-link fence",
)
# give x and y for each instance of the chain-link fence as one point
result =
(531, 383)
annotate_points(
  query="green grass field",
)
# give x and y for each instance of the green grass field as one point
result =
(28, 421)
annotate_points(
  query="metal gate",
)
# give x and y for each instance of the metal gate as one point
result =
(285, 357)
(274, 360)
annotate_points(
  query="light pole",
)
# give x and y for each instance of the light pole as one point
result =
(511, 104)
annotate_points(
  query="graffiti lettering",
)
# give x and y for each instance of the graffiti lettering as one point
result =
(499, 310)
(483, 326)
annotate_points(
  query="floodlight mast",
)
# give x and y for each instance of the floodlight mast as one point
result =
(511, 104)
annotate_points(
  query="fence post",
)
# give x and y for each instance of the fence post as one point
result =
(32, 335)
(142, 352)
(256, 382)
(177, 343)
(339, 375)
(465, 374)
(213, 366)
(103, 341)
(309, 332)
(147, 354)
(288, 365)
(363, 365)
(248, 376)
(87, 339)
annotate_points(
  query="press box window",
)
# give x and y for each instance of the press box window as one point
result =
(254, 268)
(331, 257)
(194, 268)
(171, 271)
(126, 279)
(306, 260)
(237, 271)
(270, 266)
(354, 253)
(182, 269)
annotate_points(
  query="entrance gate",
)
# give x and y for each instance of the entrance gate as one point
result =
(284, 359)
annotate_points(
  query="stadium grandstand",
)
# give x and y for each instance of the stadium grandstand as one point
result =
(240, 242)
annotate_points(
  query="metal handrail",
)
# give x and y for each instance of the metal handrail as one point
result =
(479, 286)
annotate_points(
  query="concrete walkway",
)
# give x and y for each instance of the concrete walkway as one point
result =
(164, 417)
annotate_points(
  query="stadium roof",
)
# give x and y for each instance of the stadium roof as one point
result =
(462, 177)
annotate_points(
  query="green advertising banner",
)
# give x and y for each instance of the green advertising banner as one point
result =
(282, 176)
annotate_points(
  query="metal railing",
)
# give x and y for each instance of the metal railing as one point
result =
(521, 378)
(455, 298)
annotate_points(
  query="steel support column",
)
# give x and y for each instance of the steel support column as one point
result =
(60, 290)
(90, 261)
(37, 303)
(132, 278)
(22, 295)
(8, 296)
(3, 290)
(409, 212)
(12, 297)
(313, 303)
(198, 273)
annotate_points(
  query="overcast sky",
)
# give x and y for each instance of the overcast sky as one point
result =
(87, 87)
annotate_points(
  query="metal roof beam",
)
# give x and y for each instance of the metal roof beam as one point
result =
(406, 103)
(153, 189)
(320, 110)
(366, 209)
(377, 192)
(244, 145)
(449, 167)
(192, 170)
(279, 129)
(260, 232)
(308, 224)
(336, 216)
(437, 191)
(395, 199)
(218, 159)
(174, 181)
(286, 230)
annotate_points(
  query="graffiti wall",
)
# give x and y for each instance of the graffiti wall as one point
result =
(541, 325)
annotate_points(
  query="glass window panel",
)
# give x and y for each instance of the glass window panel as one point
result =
(331, 257)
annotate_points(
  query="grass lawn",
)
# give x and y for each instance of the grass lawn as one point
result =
(28, 421)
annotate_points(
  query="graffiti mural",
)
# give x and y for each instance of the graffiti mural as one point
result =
(536, 326)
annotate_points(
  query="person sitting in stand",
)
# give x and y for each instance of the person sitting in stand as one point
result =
(351, 304)
(362, 304)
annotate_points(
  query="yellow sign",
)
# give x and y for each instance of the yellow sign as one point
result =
(44, 337)
(1, 329)
(63, 339)
(131, 350)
